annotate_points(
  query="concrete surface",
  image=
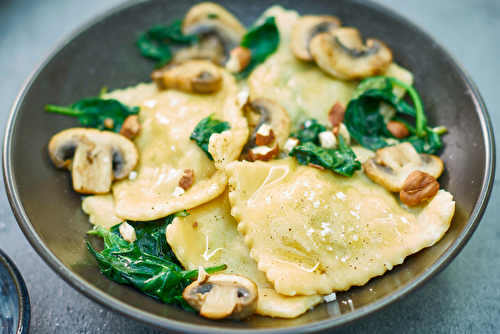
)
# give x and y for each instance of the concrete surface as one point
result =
(464, 298)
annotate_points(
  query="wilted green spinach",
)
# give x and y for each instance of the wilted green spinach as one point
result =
(262, 40)
(342, 160)
(309, 132)
(158, 275)
(156, 43)
(94, 111)
(205, 129)
(367, 125)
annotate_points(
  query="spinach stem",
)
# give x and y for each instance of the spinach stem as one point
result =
(62, 110)
(209, 270)
(439, 130)
(420, 121)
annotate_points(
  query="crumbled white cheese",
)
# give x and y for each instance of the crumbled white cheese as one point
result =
(127, 232)
(132, 175)
(331, 297)
(178, 191)
(341, 195)
(290, 144)
(243, 96)
(264, 130)
(327, 140)
(150, 103)
(345, 133)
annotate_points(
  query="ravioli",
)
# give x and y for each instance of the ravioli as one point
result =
(303, 89)
(101, 210)
(168, 119)
(315, 231)
(208, 237)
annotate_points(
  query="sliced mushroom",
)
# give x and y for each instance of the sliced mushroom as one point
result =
(223, 296)
(209, 48)
(306, 28)
(208, 17)
(94, 157)
(264, 111)
(392, 165)
(343, 55)
(191, 76)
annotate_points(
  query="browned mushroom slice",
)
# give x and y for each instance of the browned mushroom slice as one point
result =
(191, 76)
(94, 157)
(209, 48)
(208, 17)
(342, 54)
(306, 28)
(223, 296)
(393, 164)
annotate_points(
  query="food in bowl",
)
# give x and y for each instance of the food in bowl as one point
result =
(248, 177)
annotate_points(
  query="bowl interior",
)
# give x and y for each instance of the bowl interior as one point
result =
(103, 54)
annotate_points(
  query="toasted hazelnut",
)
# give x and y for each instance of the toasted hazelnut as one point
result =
(263, 153)
(398, 129)
(336, 117)
(187, 179)
(131, 127)
(239, 58)
(109, 123)
(418, 186)
(264, 135)
(316, 166)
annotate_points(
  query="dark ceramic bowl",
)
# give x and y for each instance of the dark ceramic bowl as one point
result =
(103, 54)
(14, 299)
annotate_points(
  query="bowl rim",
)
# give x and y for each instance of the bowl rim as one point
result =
(115, 305)
(22, 293)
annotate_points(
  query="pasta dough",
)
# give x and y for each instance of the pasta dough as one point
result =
(303, 89)
(101, 210)
(168, 119)
(315, 231)
(208, 237)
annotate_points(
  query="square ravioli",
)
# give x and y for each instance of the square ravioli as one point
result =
(315, 231)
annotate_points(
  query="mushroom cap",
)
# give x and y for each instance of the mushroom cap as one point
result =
(191, 76)
(343, 55)
(209, 48)
(223, 296)
(63, 145)
(209, 17)
(265, 111)
(393, 164)
(306, 28)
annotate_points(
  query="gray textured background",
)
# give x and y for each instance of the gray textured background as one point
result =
(464, 298)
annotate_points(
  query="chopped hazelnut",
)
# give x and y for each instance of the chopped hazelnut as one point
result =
(264, 135)
(263, 153)
(336, 116)
(131, 127)
(239, 58)
(316, 166)
(109, 123)
(127, 232)
(187, 179)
